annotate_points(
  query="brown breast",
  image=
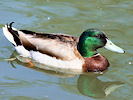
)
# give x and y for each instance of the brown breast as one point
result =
(95, 63)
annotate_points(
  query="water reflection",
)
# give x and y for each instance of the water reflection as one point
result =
(87, 84)
(90, 85)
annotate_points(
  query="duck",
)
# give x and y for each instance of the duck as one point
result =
(62, 51)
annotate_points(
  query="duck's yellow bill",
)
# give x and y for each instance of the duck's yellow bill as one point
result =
(111, 46)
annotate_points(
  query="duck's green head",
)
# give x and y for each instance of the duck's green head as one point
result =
(92, 39)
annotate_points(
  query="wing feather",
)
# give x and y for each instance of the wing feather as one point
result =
(55, 45)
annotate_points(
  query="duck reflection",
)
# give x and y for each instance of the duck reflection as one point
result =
(87, 84)
(90, 85)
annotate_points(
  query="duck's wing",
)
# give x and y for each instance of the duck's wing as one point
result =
(55, 45)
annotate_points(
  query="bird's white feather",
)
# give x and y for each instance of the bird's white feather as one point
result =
(8, 35)
(22, 51)
(75, 64)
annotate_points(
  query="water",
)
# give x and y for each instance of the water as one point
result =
(18, 82)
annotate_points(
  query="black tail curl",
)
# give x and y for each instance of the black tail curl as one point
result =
(11, 24)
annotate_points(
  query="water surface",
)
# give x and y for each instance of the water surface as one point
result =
(18, 82)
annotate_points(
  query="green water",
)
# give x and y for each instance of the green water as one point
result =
(115, 17)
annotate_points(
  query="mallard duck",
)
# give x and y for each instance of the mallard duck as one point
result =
(63, 51)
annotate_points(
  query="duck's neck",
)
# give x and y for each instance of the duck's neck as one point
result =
(86, 51)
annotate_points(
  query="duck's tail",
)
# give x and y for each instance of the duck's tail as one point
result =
(12, 34)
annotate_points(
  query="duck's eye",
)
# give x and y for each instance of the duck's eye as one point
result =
(97, 36)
